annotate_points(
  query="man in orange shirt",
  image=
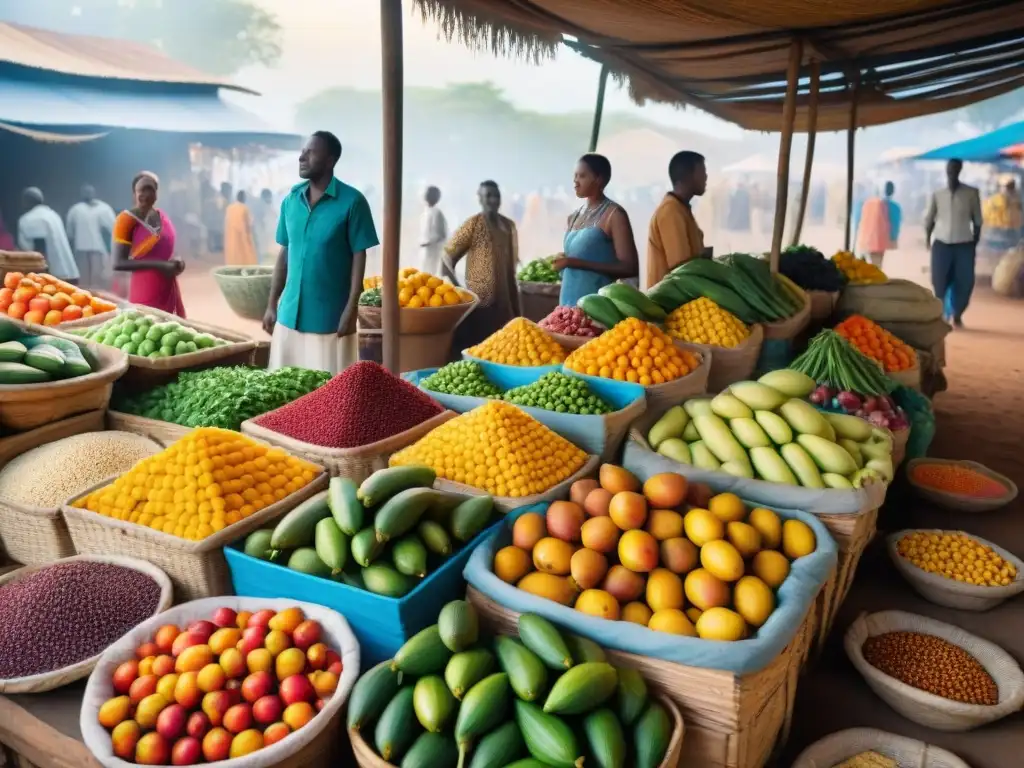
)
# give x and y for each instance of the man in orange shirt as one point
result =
(673, 236)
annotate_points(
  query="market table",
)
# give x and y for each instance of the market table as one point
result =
(40, 730)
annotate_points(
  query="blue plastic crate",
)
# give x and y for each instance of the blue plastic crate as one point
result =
(508, 376)
(381, 624)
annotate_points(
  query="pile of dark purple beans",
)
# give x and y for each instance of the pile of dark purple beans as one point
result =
(69, 612)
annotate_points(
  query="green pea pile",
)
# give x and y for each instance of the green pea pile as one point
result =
(464, 377)
(560, 393)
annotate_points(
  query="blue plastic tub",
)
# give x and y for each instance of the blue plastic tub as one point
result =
(381, 624)
(508, 376)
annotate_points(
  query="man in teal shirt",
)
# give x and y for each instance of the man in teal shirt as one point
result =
(324, 231)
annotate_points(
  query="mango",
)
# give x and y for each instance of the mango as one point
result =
(721, 624)
(670, 425)
(702, 526)
(623, 584)
(753, 600)
(616, 479)
(597, 502)
(677, 450)
(587, 568)
(628, 510)
(798, 539)
(664, 590)
(552, 555)
(114, 711)
(124, 738)
(727, 507)
(597, 602)
(679, 555)
(672, 621)
(581, 489)
(600, 534)
(722, 560)
(664, 524)
(512, 563)
(768, 525)
(528, 529)
(638, 551)
(564, 520)
(705, 591)
(665, 490)
(636, 613)
(547, 585)
(771, 567)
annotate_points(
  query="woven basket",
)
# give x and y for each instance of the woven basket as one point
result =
(27, 406)
(35, 535)
(422, 321)
(163, 432)
(959, 503)
(949, 592)
(245, 289)
(791, 327)
(732, 721)
(58, 678)
(357, 464)
(506, 504)
(310, 747)
(197, 568)
(367, 758)
(567, 342)
(661, 397)
(926, 708)
(730, 364)
(908, 753)
(21, 261)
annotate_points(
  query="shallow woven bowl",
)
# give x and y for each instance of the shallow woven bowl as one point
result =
(948, 592)
(246, 289)
(955, 501)
(908, 753)
(926, 708)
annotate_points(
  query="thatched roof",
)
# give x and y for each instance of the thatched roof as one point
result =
(729, 57)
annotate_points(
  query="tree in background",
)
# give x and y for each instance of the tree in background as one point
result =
(216, 36)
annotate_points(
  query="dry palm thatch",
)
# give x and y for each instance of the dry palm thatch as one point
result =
(479, 30)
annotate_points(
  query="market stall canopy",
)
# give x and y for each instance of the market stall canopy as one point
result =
(729, 57)
(765, 164)
(988, 148)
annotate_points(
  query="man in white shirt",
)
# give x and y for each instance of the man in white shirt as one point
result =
(952, 229)
(90, 226)
(40, 228)
(433, 233)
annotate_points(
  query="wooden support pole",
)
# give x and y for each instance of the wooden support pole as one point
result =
(796, 50)
(812, 135)
(595, 131)
(851, 136)
(392, 96)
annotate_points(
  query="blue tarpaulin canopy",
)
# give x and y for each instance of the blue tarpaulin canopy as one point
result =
(988, 148)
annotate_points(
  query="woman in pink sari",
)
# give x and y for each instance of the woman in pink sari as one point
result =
(144, 246)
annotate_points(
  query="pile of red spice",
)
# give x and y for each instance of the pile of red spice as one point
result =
(359, 406)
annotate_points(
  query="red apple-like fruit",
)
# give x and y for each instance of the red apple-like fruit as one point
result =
(224, 617)
(216, 745)
(152, 749)
(171, 722)
(306, 634)
(256, 686)
(297, 688)
(124, 676)
(147, 649)
(198, 725)
(261, 618)
(183, 641)
(215, 704)
(142, 687)
(267, 709)
(202, 629)
(238, 718)
(187, 751)
(316, 656)
(252, 638)
(274, 733)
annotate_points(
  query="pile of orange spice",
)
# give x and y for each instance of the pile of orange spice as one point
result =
(877, 343)
(958, 479)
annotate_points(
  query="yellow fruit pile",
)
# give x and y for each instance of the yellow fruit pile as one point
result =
(958, 557)
(633, 351)
(520, 343)
(666, 555)
(418, 289)
(701, 321)
(496, 448)
(858, 271)
(206, 481)
(1002, 211)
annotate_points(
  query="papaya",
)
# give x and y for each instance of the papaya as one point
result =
(582, 688)
(499, 747)
(306, 560)
(402, 512)
(466, 669)
(371, 694)
(397, 728)
(433, 703)
(365, 547)
(605, 738)
(385, 483)
(540, 636)
(410, 556)
(651, 736)
(458, 625)
(482, 709)
(422, 654)
(548, 738)
(526, 672)
(296, 529)
(332, 546)
(345, 506)
(471, 517)
(435, 537)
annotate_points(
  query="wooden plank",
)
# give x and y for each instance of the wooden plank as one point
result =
(812, 135)
(392, 96)
(39, 743)
(595, 130)
(851, 137)
(785, 145)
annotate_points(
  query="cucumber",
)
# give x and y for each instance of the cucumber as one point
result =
(528, 762)
(345, 505)
(331, 544)
(397, 728)
(651, 736)
(583, 649)
(484, 706)
(19, 373)
(471, 516)
(9, 330)
(540, 636)
(499, 747)
(296, 529)
(422, 654)
(600, 310)
(402, 512)
(630, 695)
(257, 544)
(605, 738)
(385, 483)
(435, 537)
(458, 625)
(410, 556)
(630, 295)
(305, 560)
(526, 672)
(371, 694)
(582, 688)
(628, 310)
(384, 580)
(365, 547)
(45, 357)
(432, 750)
(466, 669)
(433, 703)
(548, 738)
(12, 352)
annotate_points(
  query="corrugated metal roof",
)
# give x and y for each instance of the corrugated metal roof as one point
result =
(85, 56)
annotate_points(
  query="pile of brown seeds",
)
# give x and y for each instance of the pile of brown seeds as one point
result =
(933, 665)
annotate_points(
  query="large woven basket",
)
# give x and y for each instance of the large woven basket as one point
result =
(27, 406)
(197, 568)
(660, 397)
(422, 321)
(908, 753)
(356, 464)
(367, 758)
(21, 261)
(791, 327)
(957, 502)
(949, 592)
(246, 289)
(730, 364)
(163, 432)
(926, 708)
(58, 678)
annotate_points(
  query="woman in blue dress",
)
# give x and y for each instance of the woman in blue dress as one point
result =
(598, 247)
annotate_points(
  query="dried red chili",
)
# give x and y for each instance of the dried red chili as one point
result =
(359, 406)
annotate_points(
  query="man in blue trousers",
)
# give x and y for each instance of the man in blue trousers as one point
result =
(954, 220)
